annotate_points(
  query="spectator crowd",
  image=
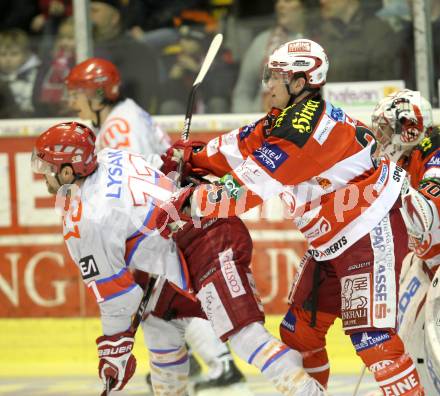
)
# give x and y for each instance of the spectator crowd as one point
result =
(158, 47)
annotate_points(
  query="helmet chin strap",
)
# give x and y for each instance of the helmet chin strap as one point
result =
(294, 96)
(96, 124)
(75, 178)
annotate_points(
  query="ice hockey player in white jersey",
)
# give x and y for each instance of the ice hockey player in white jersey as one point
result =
(402, 123)
(110, 203)
(94, 94)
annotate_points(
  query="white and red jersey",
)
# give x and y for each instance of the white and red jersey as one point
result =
(109, 228)
(317, 159)
(129, 127)
(423, 167)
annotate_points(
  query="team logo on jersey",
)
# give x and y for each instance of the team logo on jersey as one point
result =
(232, 187)
(270, 156)
(384, 290)
(382, 178)
(337, 114)
(320, 228)
(301, 119)
(355, 294)
(296, 123)
(289, 321)
(246, 131)
(434, 161)
(426, 144)
(230, 273)
(324, 129)
(88, 267)
(323, 182)
(369, 339)
(329, 251)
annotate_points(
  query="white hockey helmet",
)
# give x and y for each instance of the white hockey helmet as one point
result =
(299, 56)
(400, 121)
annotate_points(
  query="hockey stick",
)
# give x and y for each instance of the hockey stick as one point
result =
(110, 381)
(207, 62)
(210, 55)
(359, 381)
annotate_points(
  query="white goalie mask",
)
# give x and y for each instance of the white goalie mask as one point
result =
(400, 121)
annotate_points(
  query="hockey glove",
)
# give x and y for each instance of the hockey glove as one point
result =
(173, 215)
(115, 358)
(420, 215)
(181, 152)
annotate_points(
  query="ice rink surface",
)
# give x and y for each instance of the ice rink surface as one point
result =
(52, 357)
(340, 385)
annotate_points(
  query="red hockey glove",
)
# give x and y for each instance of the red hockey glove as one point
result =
(115, 358)
(171, 216)
(180, 151)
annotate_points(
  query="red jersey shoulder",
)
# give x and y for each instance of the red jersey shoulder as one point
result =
(424, 156)
(427, 152)
(296, 123)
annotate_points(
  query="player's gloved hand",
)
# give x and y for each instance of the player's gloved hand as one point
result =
(115, 358)
(180, 152)
(175, 213)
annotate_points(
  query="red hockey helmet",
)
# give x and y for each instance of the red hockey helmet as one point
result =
(68, 143)
(96, 75)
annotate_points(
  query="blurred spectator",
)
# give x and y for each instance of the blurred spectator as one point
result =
(196, 30)
(55, 68)
(359, 45)
(371, 7)
(136, 61)
(51, 14)
(17, 14)
(18, 72)
(396, 13)
(143, 16)
(293, 17)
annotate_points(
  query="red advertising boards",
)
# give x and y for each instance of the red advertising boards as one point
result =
(38, 279)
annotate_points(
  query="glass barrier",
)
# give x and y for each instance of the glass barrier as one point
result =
(33, 65)
(158, 50)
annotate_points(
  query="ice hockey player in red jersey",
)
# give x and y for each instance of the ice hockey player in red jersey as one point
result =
(320, 162)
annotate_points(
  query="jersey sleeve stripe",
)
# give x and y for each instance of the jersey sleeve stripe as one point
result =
(230, 150)
(337, 177)
(184, 273)
(115, 285)
(120, 293)
(143, 229)
(120, 274)
(133, 242)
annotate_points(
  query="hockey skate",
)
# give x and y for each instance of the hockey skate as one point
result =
(225, 380)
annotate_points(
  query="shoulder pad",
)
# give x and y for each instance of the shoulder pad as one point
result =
(296, 123)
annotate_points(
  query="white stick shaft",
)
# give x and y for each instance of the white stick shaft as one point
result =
(359, 381)
(210, 55)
